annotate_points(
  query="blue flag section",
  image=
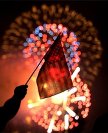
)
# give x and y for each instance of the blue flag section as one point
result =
(54, 76)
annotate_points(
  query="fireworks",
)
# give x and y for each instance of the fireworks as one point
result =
(63, 110)
(23, 26)
(38, 44)
(60, 110)
(57, 114)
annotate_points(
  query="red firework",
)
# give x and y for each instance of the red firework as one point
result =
(63, 110)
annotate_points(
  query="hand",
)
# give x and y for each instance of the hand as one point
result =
(20, 91)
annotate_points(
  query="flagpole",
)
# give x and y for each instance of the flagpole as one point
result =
(34, 71)
(38, 64)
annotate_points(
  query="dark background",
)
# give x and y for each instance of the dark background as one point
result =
(96, 11)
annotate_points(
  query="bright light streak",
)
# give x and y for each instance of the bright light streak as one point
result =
(71, 112)
(65, 100)
(66, 120)
(73, 76)
(51, 125)
(32, 105)
(58, 99)
(73, 90)
(81, 98)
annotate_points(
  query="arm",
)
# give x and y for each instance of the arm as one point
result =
(11, 106)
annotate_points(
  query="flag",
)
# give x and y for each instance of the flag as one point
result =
(54, 76)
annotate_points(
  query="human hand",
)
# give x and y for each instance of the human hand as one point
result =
(20, 91)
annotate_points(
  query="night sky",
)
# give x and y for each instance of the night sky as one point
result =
(94, 11)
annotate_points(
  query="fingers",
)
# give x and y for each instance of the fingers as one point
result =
(20, 91)
(22, 86)
(26, 86)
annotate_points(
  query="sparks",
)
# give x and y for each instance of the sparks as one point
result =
(80, 98)
(73, 76)
(61, 106)
(72, 91)
(66, 119)
(71, 112)
(51, 126)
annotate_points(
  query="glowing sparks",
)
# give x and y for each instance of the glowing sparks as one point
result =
(59, 98)
(61, 103)
(73, 76)
(71, 91)
(37, 45)
(59, 113)
(65, 106)
(80, 98)
(76, 117)
(84, 29)
(36, 104)
(66, 119)
(31, 105)
(71, 112)
(51, 125)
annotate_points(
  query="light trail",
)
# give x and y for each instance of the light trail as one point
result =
(80, 98)
(75, 73)
(66, 120)
(71, 112)
(51, 125)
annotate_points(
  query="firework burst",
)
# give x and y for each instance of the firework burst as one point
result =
(63, 110)
(57, 114)
(23, 26)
